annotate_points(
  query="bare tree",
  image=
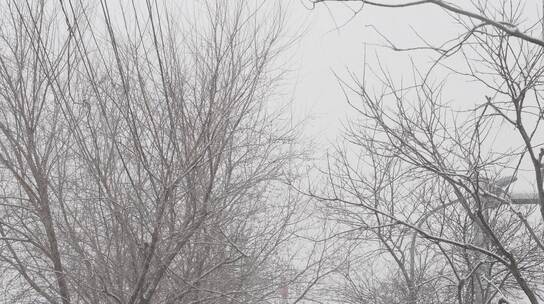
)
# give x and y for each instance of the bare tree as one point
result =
(140, 160)
(435, 172)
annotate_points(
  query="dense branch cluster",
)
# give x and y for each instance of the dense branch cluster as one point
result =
(139, 161)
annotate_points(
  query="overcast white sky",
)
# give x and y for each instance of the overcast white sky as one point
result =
(336, 40)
